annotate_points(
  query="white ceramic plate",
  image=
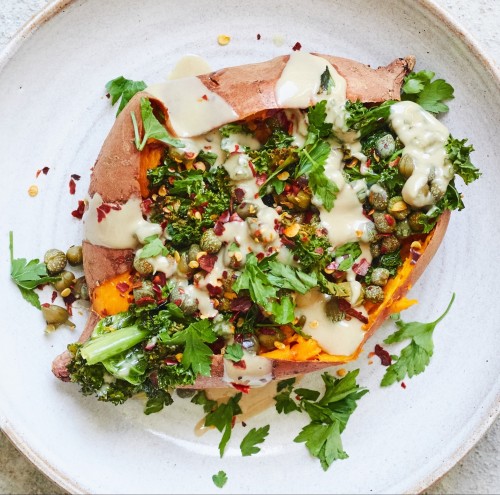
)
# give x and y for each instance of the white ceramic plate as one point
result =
(54, 114)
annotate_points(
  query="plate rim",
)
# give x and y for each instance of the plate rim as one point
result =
(486, 419)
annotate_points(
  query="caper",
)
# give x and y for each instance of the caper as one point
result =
(55, 260)
(385, 223)
(436, 192)
(143, 266)
(228, 279)
(193, 251)
(185, 393)
(66, 281)
(224, 304)
(74, 255)
(374, 294)
(301, 200)
(183, 264)
(385, 145)
(406, 166)
(81, 289)
(398, 208)
(210, 242)
(145, 290)
(268, 336)
(403, 230)
(375, 249)
(378, 197)
(389, 244)
(250, 343)
(184, 300)
(380, 276)
(55, 316)
(245, 210)
(333, 310)
(415, 219)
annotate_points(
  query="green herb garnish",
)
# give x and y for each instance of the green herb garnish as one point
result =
(124, 89)
(219, 479)
(255, 436)
(430, 95)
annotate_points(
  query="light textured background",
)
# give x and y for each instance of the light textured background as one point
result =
(479, 471)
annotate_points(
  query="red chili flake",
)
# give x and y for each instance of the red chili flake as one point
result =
(390, 219)
(219, 228)
(38, 172)
(44, 171)
(296, 47)
(385, 357)
(205, 97)
(45, 305)
(72, 186)
(69, 309)
(104, 209)
(207, 262)
(189, 154)
(242, 388)
(361, 268)
(214, 290)
(308, 217)
(415, 255)
(240, 364)
(157, 290)
(239, 194)
(144, 300)
(258, 37)
(171, 361)
(160, 278)
(150, 345)
(54, 295)
(75, 176)
(368, 163)
(123, 287)
(349, 310)
(146, 206)
(260, 179)
(252, 168)
(241, 304)
(235, 218)
(78, 213)
(403, 385)
(224, 217)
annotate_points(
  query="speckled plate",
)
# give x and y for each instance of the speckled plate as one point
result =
(54, 114)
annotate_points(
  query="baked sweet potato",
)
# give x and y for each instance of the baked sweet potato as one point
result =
(120, 176)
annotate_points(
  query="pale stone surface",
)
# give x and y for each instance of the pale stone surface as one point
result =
(479, 471)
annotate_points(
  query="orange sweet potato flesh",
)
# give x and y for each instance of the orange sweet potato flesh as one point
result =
(120, 173)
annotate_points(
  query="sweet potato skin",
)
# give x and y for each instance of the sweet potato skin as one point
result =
(249, 89)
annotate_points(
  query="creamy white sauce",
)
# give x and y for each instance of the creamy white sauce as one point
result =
(238, 168)
(235, 143)
(339, 338)
(258, 371)
(119, 229)
(424, 138)
(209, 142)
(190, 65)
(192, 108)
(164, 264)
(202, 297)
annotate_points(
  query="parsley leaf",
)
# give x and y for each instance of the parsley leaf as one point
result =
(326, 82)
(190, 183)
(252, 438)
(284, 403)
(201, 399)
(124, 89)
(234, 352)
(317, 127)
(157, 402)
(415, 357)
(367, 120)
(286, 277)
(459, 156)
(28, 275)
(351, 251)
(420, 88)
(153, 129)
(219, 479)
(153, 247)
(222, 419)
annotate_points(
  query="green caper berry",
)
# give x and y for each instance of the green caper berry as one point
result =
(380, 276)
(385, 146)
(210, 242)
(183, 264)
(406, 166)
(436, 192)
(228, 280)
(185, 393)
(193, 251)
(269, 336)
(65, 282)
(145, 290)
(414, 221)
(55, 316)
(245, 210)
(389, 244)
(224, 304)
(375, 249)
(81, 289)
(333, 311)
(403, 230)
(55, 260)
(398, 208)
(185, 302)
(74, 255)
(374, 294)
(143, 266)
(378, 197)
(384, 222)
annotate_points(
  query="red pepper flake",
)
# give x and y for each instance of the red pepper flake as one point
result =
(260, 179)
(75, 177)
(123, 287)
(241, 304)
(219, 228)
(361, 268)
(144, 300)
(239, 194)
(390, 219)
(240, 364)
(104, 209)
(415, 255)
(54, 295)
(349, 310)
(45, 305)
(214, 290)
(385, 357)
(368, 163)
(403, 385)
(235, 218)
(296, 47)
(171, 361)
(207, 262)
(146, 206)
(44, 171)
(205, 97)
(72, 186)
(160, 278)
(78, 213)
(308, 217)
(252, 168)
(258, 37)
(242, 388)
